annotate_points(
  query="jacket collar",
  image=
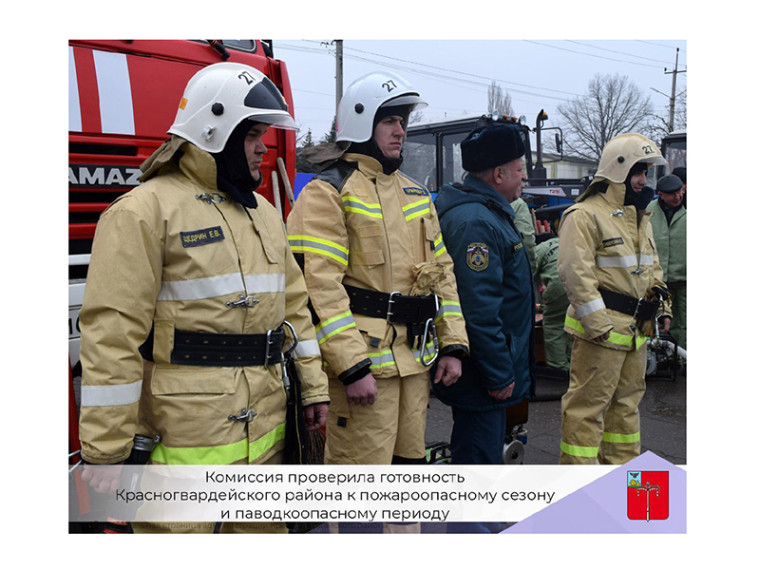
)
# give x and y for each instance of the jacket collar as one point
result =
(492, 198)
(615, 194)
(368, 166)
(199, 166)
(193, 162)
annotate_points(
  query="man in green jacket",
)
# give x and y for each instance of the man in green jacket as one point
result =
(669, 227)
(557, 342)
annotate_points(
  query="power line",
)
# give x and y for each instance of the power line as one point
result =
(651, 43)
(588, 54)
(615, 51)
(484, 80)
(459, 72)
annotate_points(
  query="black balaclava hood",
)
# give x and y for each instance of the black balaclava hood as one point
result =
(639, 199)
(370, 148)
(232, 173)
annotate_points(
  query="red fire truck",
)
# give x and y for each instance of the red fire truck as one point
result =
(123, 97)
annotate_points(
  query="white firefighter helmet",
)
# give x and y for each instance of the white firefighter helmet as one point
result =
(219, 97)
(622, 152)
(362, 99)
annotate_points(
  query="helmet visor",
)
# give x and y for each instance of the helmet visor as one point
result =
(277, 120)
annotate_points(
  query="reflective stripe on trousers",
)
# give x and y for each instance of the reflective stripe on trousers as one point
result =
(218, 454)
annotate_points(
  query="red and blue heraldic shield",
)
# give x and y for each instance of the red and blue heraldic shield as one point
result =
(647, 495)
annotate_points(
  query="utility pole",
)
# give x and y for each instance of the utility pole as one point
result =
(675, 72)
(339, 73)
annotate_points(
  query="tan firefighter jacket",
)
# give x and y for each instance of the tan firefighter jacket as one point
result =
(357, 226)
(175, 254)
(603, 245)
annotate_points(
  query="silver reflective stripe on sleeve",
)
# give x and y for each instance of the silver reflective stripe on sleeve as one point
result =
(416, 209)
(310, 244)
(209, 287)
(439, 247)
(119, 395)
(353, 204)
(646, 259)
(335, 325)
(306, 348)
(448, 308)
(590, 307)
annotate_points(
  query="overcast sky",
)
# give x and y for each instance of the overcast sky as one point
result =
(453, 75)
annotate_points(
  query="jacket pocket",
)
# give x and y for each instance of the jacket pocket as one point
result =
(371, 239)
(187, 380)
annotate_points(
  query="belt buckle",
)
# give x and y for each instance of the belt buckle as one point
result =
(269, 343)
(389, 312)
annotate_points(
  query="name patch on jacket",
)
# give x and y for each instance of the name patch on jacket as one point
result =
(517, 247)
(416, 191)
(612, 241)
(477, 256)
(201, 237)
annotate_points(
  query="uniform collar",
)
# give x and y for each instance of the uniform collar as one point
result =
(199, 166)
(492, 197)
(368, 166)
(615, 194)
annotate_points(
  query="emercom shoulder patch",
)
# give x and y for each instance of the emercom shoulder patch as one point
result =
(416, 191)
(201, 237)
(477, 256)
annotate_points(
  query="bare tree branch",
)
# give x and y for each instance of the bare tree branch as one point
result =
(611, 106)
(499, 101)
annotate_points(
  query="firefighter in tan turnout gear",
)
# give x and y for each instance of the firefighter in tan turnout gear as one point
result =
(609, 267)
(380, 280)
(192, 270)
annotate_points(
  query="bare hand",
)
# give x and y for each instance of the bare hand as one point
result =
(315, 416)
(363, 391)
(449, 370)
(503, 393)
(665, 325)
(103, 479)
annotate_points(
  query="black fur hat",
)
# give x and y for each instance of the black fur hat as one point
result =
(490, 146)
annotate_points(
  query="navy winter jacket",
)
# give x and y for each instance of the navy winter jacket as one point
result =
(494, 281)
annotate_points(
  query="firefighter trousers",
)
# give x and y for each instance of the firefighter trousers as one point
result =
(232, 527)
(600, 411)
(394, 426)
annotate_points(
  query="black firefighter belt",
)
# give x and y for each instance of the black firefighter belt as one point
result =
(640, 309)
(219, 349)
(416, 312)
(393, 307)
